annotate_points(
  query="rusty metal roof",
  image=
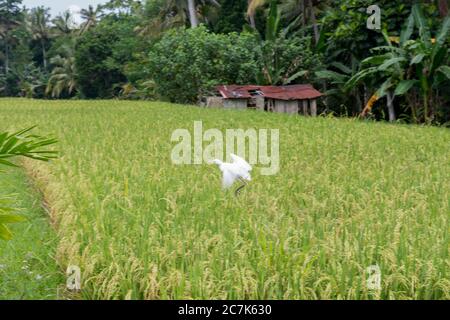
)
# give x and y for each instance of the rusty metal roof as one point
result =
(292, 92)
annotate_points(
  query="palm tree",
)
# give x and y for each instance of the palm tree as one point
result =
(192, 7)
(167, 14)
(291, 10)
(294, 9)
(39, 29)
(63, 23)
(312, 5)
(10, 18)
(253, 6)
(162, 15)
(63, 78)
(123, 7)
(90, 16)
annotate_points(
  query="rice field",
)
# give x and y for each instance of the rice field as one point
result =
(349, 195)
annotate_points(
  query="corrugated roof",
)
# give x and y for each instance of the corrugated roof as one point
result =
(292, 92)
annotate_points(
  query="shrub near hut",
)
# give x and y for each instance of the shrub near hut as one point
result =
(187, 63)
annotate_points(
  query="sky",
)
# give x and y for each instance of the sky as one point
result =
(58, 6)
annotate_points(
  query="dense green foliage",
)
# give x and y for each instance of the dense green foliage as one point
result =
(231, 16)
(185, 64)
(123, 49)
(100, 56)
(418, 64)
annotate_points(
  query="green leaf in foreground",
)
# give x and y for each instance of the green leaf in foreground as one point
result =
(21, 143)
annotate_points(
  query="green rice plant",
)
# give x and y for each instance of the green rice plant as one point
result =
(349, 195)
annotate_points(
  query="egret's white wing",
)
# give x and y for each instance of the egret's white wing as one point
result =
(228, 179)
(241, 162)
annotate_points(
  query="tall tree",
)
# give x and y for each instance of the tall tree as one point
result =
(10, 17)
(192, 6)
(192, 13)
(253, 5)
(304, 11)
(63, 78)
(63, 23)
(312, 13)
(90, 16)
(161, 15)
(39, 28)
(123, 7)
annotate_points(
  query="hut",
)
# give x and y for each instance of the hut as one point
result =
(291, 99)
(234, 98)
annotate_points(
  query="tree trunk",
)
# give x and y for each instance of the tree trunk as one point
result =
(44, 55)
(252, 21)
(366, 96)
(192, 13)
(251, 16)
(314, 21)
(6, 56)
(302, 7)
(390, 104)
(431, 105)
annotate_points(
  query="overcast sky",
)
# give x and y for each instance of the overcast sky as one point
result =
(58, 6)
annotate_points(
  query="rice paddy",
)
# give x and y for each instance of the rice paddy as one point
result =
(349, 195)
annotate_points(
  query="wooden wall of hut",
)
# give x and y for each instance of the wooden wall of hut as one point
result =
(259, 101)
(214, 102)
(235, 103)
(286, 106)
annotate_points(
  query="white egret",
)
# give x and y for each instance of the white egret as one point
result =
(239, 169)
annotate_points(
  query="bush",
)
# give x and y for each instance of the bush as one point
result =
(187, 63)
(101, 55)
(287, 60)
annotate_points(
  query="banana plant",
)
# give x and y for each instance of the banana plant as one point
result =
(429, 57)
(414, 63)
(20, 144)
(337, 75)
(389, 67)
(274, 70)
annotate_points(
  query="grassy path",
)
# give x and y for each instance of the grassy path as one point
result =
(27, 267)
